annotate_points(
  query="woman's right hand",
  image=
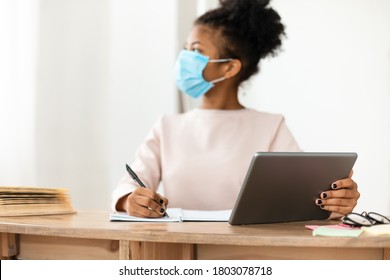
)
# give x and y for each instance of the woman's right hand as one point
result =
(143, 203)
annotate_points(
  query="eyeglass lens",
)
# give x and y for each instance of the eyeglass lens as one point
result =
(357, 219)
(378, 218)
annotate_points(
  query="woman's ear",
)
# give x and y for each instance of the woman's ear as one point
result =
(233, 68)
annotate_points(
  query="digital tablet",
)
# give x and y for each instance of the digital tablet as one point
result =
(283, 187)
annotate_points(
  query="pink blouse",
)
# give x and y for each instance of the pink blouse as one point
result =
(200, 158)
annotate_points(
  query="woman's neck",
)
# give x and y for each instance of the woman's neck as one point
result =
(221, 100)
(220, 105)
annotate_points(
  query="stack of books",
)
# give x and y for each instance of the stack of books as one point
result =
(24, 201)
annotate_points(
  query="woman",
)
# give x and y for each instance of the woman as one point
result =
(201, 157)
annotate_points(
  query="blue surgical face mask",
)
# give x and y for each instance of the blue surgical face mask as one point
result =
(189, 73)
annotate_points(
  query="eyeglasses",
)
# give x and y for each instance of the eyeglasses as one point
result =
(365, 219)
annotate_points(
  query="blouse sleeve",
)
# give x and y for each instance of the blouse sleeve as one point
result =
(284, 140)
(147, 165)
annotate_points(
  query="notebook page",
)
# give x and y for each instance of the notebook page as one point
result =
(173, 213)
(206, 216)
(383, 229)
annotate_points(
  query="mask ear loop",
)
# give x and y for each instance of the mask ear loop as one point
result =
(217, 80)
(219, 60)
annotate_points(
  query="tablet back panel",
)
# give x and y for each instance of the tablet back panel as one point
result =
(283, 187)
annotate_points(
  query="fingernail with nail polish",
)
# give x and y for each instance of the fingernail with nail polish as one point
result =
(162, 210)
(324, 195)
(319, 201)
(334, 186)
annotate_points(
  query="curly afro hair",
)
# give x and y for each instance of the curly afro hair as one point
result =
(250, 31)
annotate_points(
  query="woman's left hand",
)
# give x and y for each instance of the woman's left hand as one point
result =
(341, 199)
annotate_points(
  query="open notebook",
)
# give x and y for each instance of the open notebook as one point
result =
(178, 215)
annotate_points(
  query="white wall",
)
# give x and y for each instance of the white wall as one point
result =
(18, 46)
(71, 102)
(143, 46)
(105, 75)
(84, 82)
(332, 82)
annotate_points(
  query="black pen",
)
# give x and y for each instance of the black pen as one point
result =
(135, 177)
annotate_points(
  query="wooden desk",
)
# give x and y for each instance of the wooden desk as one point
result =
(90, 235)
